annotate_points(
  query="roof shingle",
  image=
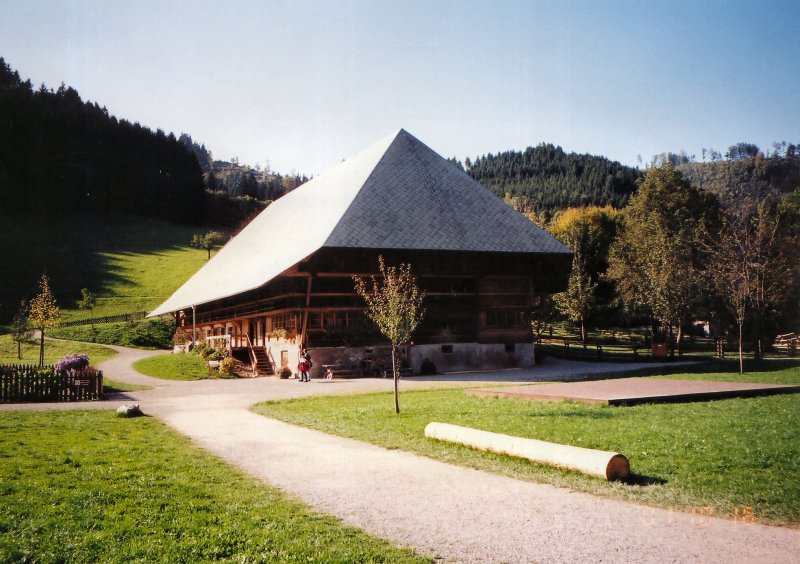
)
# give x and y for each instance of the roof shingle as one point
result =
(397, 194)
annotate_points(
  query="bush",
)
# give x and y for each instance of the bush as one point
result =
(201, 349)
(72, 362)
(226, 365)
(153, 333)
(180, 337)
(147, 333)
(427, 368)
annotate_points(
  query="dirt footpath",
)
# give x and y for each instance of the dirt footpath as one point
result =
(464, 515)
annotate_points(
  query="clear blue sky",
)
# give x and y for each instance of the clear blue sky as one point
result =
(304, 84)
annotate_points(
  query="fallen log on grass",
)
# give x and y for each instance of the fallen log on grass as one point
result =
(605, 464)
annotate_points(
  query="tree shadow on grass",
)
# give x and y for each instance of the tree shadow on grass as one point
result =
(77, 253)
(708, 366)
(642, 480)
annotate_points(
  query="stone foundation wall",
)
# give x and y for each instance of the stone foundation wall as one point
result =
(472, 356)
(454, 357)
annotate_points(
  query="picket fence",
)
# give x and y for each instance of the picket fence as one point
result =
(24, 383)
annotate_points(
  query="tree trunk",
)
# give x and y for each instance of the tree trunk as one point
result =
(583, 331)
(680, 340)
(741, 356)
(41, 348)
(395, 372)
(209, 254)
(19, 350)
(757, 339)
(671, 337)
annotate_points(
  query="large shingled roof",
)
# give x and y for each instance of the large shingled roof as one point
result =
(397, 194)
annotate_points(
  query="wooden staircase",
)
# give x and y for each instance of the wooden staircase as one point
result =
(262, 365)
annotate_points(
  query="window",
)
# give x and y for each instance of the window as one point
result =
(315, 321)
(286, 321)
(504, 319)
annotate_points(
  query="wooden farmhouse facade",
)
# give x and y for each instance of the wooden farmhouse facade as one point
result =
(286, 280)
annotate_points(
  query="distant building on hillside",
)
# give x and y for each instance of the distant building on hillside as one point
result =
(286, 280)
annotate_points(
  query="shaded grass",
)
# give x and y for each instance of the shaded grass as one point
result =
(84, 486)
(178, 366)
(722, 455)
(113, 387)
(132, 263)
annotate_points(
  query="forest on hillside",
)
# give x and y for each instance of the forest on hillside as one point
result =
(62, 155)
(546, 179)
(235, 191)
(733, 181)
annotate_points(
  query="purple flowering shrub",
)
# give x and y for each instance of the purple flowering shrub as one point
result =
(72, 362)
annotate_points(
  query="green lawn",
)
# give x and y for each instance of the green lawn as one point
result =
(53, 350)
(179, 366)
(723, 455)
(84, 486)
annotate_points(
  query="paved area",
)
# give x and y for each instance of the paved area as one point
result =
(444, 511)
(633, 391)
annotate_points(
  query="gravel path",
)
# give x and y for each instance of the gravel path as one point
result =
(444, 511)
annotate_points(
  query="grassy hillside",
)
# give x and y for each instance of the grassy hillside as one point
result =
(132, 263)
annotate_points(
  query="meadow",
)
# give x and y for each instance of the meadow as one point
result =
(85, 486)
(131, 263)
(727, 458)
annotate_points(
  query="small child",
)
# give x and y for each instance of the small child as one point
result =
(329, 374)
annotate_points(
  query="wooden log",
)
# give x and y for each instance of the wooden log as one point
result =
(605, 464)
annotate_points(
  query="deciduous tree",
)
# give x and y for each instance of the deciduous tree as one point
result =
(207, 241)
(577, 301)
(656, 259)
(20, 329)
(43, 313)
(394, 304)
(754, 265)
(88, 302)
(589, 232)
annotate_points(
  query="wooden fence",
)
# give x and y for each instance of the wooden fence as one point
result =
(23, 383)
(577, 350)
(622, 349)
(122, 317)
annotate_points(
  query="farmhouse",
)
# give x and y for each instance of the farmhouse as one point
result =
(285, 281)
